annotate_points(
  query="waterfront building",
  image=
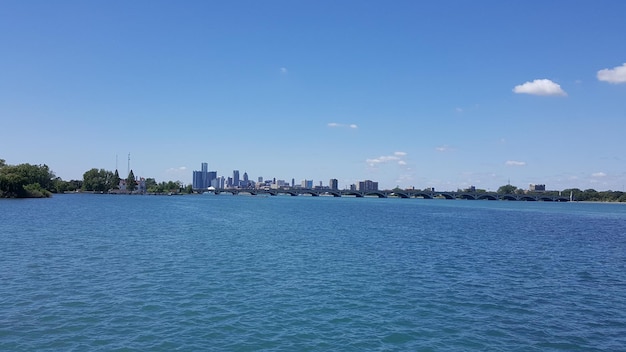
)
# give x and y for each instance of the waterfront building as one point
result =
(202, 179)
(367, 185)
(307, 184)
(235, 178)
(333, 184)
(220, 182)
(212, 177)
(139, 188)
(204, 168)
(537, 188)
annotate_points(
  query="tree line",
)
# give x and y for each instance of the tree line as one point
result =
(588, 195)
(38, 181)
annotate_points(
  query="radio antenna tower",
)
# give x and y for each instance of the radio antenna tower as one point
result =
(128, 166)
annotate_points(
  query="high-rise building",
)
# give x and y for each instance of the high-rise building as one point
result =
(212, 176)
(333, 184)
(235, 178)
(201, 178)
(307, 184)
(205, 175)
(368, 185)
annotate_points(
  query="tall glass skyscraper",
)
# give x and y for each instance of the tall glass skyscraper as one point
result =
(202, 179)
(236, 178)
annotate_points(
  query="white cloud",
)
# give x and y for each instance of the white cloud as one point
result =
(444, 148)
(396, 157)
(335, 124)
(515, 163)
(613, 75)
(459, 110)
(540, 87)
(283, 70)
(381, 159)
(598, 174)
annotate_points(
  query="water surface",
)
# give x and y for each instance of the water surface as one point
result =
(188, 273)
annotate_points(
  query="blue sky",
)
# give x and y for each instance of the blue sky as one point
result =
(443, 94)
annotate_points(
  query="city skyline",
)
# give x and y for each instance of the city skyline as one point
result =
(449, 94)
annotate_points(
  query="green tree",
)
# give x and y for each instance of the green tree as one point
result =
(25, 180)
(151, 185)
(507, 189)
(115, 181)
(98, 180)
(131, 183)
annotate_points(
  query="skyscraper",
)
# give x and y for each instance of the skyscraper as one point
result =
(201, 178)
(205, 175)
(236, 178)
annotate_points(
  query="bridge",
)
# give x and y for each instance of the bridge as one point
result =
(545, 197)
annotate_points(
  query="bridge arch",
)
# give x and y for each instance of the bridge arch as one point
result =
(422, 195)
(399, 194)
(378, 194)
(528, 198)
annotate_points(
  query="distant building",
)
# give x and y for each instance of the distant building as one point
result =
(536, 188)
(204, 178)
(220, 182)
(333, 184)
(307, 184)
(139, 188)
(367, 185)
(235, 178)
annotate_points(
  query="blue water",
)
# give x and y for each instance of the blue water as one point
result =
(243, 273)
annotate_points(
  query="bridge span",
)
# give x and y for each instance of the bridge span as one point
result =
(396, 194)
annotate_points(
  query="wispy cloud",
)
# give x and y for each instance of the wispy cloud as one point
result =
(543, 87)
(342, 125)
(614, 75)
(444, 148)
(396, 158)
(515, 163)
(598, 174)
(283, 70)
